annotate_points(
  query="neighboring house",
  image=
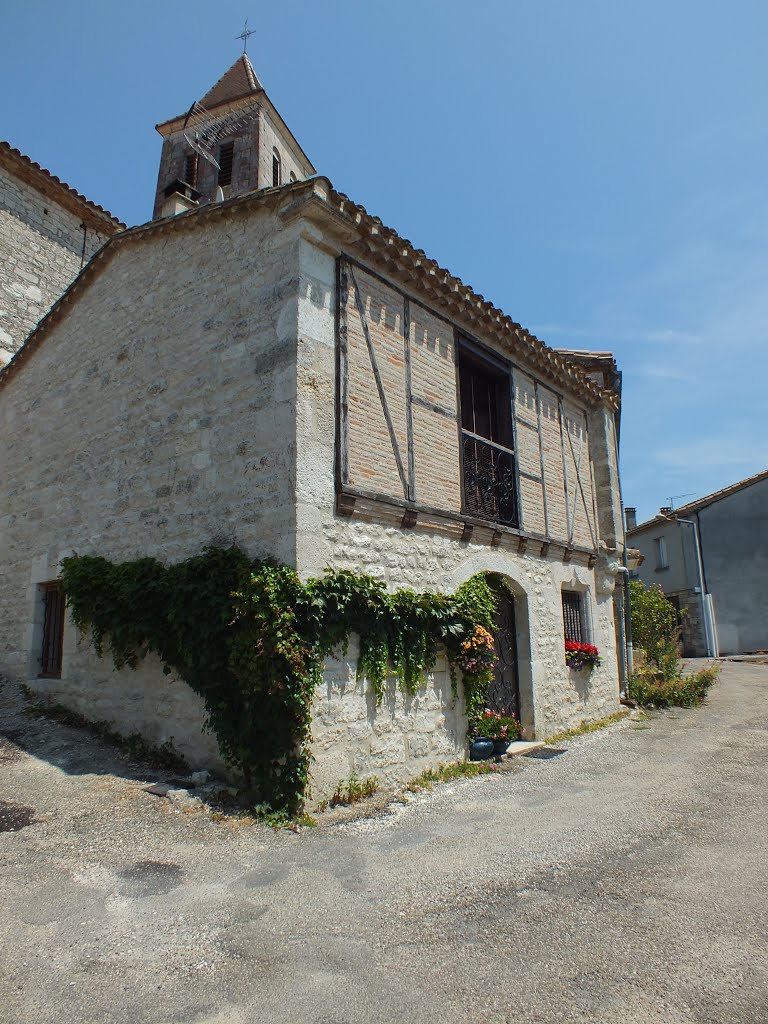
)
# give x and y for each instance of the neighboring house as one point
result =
(48, 232)
(710, 557)
(282, 371)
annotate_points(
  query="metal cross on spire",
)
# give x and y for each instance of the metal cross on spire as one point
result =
(244, 35)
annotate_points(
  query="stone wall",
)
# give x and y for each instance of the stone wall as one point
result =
(157, 417)
(41, 253)
(251, 164)
(185, 400)
(272, 136)
(396, 741)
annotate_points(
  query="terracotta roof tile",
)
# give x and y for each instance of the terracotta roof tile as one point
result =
(14, 157)
(239, 81)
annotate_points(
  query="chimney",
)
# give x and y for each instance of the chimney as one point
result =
(665, 510)
(179, 197)
(630, 518)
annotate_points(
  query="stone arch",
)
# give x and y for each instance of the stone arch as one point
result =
(519, 593)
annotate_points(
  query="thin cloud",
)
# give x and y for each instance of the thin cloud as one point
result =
(622, 335)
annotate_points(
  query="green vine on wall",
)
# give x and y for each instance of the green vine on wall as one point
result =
(249, 637)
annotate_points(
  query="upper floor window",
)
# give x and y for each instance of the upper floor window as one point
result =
(53, 629)
(226, 159)
(190, 169)
(292, 177)
(660, 544)
(276, 168)
(488, 458)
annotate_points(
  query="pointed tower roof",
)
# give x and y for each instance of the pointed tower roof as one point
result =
(239, 81)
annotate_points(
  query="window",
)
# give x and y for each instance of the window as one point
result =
(572, 618)
(53, 629)
(190, 169)
(662, 562)
(226, 158)
(293, 177)
(276, 168)
(488, 458)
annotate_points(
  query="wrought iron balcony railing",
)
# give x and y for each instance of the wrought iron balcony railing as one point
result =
(489, 480)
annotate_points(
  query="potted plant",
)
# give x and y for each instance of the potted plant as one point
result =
(499, 729)
(579, 656)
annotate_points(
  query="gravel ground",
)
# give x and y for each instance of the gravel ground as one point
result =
(623, 881)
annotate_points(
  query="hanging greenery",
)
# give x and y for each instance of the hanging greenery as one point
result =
(249, 637)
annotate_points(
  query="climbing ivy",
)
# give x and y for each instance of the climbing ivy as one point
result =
(249, 637)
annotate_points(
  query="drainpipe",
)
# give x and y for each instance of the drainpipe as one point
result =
(710, 634)
(626, 663)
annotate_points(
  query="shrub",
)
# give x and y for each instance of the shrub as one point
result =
(655, 628)
(648, 687)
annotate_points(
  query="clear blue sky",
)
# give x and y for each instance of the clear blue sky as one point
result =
(597, 169)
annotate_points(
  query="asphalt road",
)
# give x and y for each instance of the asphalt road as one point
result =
(621, 881)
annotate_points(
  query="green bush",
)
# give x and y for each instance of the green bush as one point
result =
(249, 637)
(655, 628)
(649, 687)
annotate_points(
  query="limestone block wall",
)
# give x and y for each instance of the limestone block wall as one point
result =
(41, 251)
(157, 417)
(272, 136)
(396, 741)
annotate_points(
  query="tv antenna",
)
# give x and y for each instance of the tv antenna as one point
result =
(671, 501)
(204, 132)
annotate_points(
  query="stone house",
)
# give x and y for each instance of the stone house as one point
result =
(710, 557)
(280, 370)
(48, 232)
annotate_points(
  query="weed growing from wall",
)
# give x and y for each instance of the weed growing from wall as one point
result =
(249, 637)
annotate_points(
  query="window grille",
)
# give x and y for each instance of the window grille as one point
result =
(572, 616)
(488, 458)
(226, 159)
(53, 629)
(276, 168)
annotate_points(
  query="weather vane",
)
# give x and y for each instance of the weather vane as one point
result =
(244, 35)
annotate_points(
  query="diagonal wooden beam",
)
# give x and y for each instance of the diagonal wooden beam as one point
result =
(581, 489)
(379, 384)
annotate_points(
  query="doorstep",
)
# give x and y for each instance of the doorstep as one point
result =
(524, 746)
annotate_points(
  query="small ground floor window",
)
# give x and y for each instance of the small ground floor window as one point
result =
(572, 617)
(53, 629)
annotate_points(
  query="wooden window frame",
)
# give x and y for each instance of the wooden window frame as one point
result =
(52, 643)
(472, 359)
(661, 552)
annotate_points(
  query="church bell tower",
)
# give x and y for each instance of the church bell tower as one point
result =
(235, 126)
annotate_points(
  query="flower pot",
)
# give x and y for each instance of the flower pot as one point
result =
(500, 747)
(481, 749)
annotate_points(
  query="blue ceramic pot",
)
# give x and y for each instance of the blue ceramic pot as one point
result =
(480, 749)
